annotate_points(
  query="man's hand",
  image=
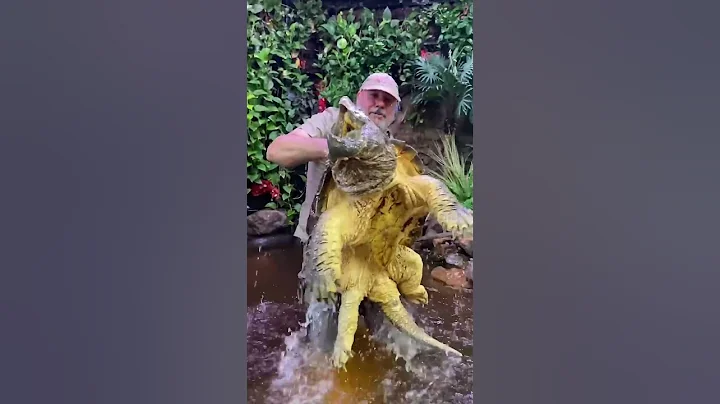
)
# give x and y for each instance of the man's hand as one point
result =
(347, 146)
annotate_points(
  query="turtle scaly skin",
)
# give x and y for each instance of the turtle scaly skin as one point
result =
(371, 209)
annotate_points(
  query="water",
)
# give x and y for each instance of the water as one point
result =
(284, 369)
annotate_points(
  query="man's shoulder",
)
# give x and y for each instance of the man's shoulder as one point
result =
(328, 112)
(321, 122)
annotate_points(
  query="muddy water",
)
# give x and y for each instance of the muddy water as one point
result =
(282, 369)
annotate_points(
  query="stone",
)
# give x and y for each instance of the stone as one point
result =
(456, 260)
(454, 277)
(442, 247)
(469, 271)
(466, 245)
(266, 221)
(432, 226)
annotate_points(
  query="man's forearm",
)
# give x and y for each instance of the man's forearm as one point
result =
(293, 150)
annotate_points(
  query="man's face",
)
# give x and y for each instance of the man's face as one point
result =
(378, 105)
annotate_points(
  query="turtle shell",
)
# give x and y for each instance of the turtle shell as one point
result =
(327, 195)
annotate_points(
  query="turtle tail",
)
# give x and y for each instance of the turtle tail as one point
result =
(399, 316)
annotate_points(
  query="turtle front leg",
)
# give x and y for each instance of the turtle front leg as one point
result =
(443, 205)
(406, 270)
(347, 326)
(334, 229)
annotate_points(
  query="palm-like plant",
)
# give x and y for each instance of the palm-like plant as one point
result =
(453, 170)
(447, 83)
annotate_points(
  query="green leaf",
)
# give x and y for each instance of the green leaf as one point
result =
(266, 108)
(387, 15)
(342, 43)
(259, 92)
(271, 205)
(287, 188)
(255, 8)
(268, 84)
(263, 55)
(329, 27)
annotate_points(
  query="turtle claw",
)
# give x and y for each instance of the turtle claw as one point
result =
(419, 296)
(340, 357)
(410, 196)
(459, 222)
(323, 290)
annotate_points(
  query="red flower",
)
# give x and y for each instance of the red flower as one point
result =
(322, 104)
(275, 193)
(263, 187)
(423, 53)
(256, 190)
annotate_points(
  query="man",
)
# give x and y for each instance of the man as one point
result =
(378, 98)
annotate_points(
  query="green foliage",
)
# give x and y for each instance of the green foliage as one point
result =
(447, 84)
(279, 94)
(355, 43)
(456, 22)
(453, 170)
(356, 47)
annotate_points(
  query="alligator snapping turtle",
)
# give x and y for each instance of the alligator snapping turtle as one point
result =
(371, 206)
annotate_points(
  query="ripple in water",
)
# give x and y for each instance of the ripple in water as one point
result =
(387, 367)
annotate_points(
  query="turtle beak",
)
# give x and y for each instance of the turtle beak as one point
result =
(347, 124)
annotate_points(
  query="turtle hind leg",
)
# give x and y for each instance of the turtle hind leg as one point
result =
(347, 326)
(353, 285)
(406, 269)
(443, 205)
(386, 294)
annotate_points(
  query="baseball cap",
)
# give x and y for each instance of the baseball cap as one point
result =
(382, 82)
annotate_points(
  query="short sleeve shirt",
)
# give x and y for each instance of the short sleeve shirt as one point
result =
(318, 126)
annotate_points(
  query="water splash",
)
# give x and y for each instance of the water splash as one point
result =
(291, 365)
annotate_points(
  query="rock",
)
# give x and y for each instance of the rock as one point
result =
(432, 227)
(266, 222)
(456, 260)
(444, 247)
(469, 271)
(454, 277)
(466, 245)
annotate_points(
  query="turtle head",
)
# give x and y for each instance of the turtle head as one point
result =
(350, 117)
(362, 153)
(355, 135)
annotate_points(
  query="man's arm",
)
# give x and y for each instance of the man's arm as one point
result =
(305, 143)
(296, 148)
